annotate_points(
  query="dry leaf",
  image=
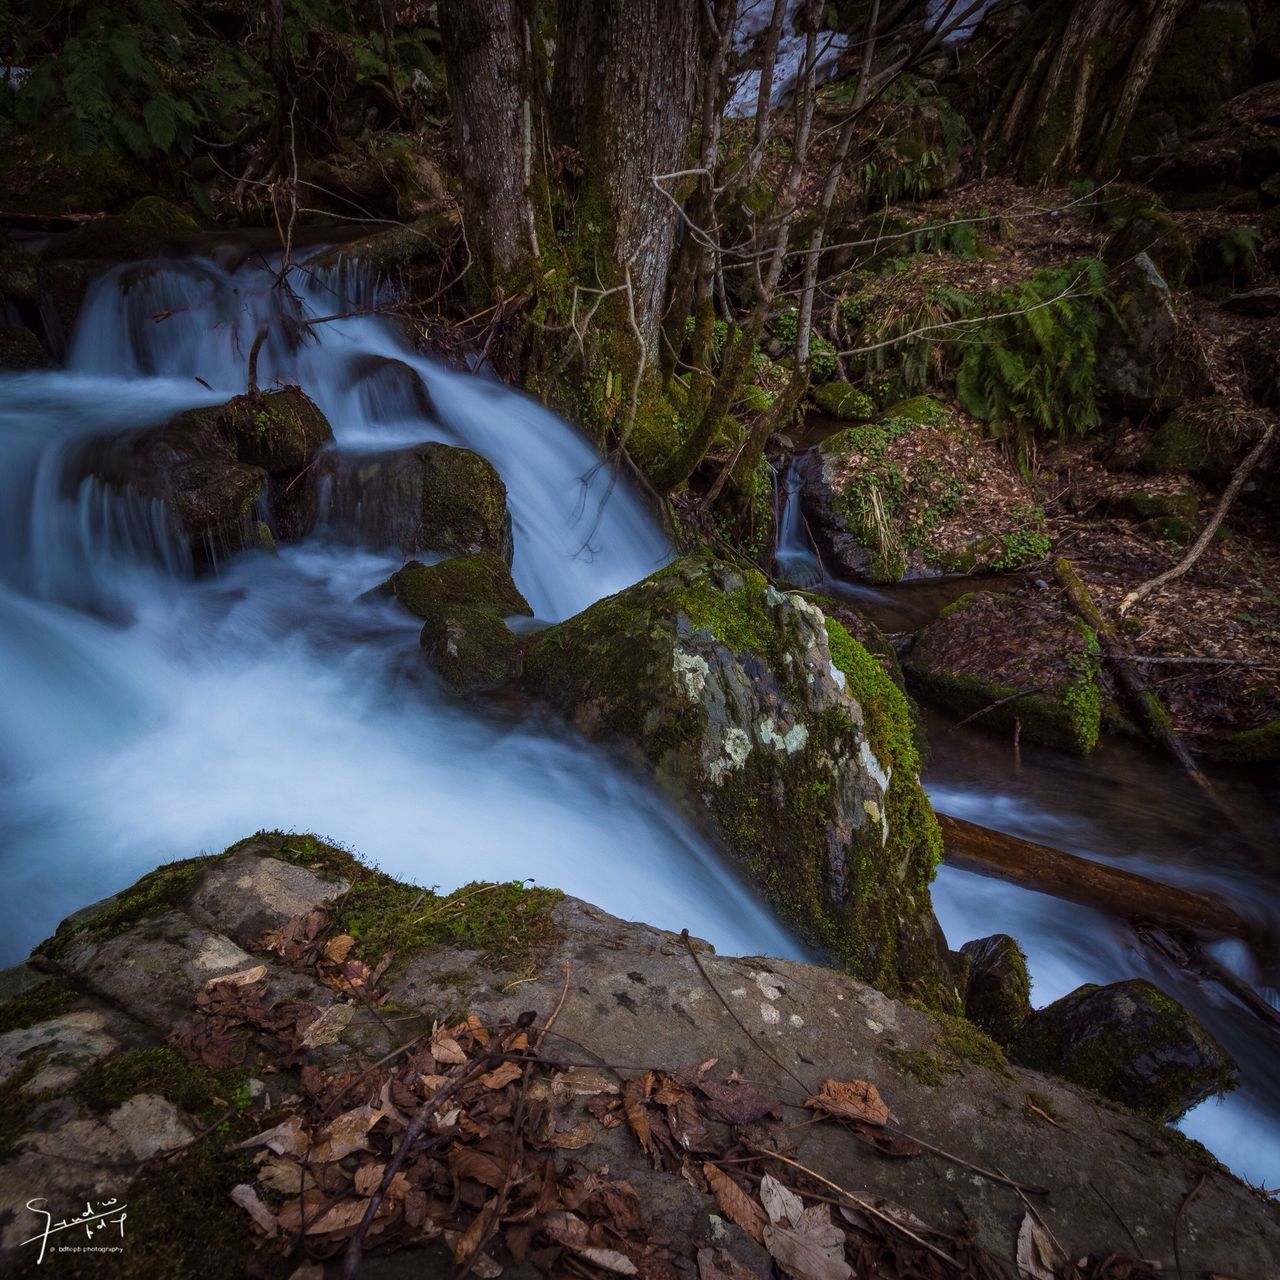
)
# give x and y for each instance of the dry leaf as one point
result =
(328, 1027)
(720, 1264)
(582, 1081)
(467, 1162)
(432, 1083)
(469, 1241)
(446, 1049)
(903, 1217)
(286, 1139)
(368, 1178)
(1038, 1257)
(337, 949)
(501, 1076)
(850, 1100)
(346, 1133)
(247, 1198)
(608, 1260)
(780, 1202)
(736, 1204)
(574, 1138)
(241, 979)
(285, 1177)
(805, 1243)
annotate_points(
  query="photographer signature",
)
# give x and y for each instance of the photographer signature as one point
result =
(110, 1214)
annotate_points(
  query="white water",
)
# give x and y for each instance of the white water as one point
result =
(149, 714)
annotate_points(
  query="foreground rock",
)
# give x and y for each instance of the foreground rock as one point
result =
(1131, 1042)
(463, 602)
(779, 730)
(252, 1075)
(1025, 652)
(997, 994)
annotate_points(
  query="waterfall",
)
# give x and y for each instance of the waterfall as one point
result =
(151, 713)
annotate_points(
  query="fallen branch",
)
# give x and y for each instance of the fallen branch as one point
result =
(1240, 475)
(991, 706)
(1092, 884)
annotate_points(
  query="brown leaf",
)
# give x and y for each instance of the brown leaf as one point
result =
(467, 1162)
(343, 1216)
(444, 1048)
(634, 1093)
(501, 1076)
(736, 1102)
(885, 1141)
(345, 1133)
(850, 1100)
(573, 1138)
(286, 1139)
(735, 1204)
(782, 1204)
(337, 949)
(243, 978)
(720, 1264)
(469, 1241)
(285, 1177)
(328, 1027)
(1038, 1257)
(805, 1243)
(368, 1178)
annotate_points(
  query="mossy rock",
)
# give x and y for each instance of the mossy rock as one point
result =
(783, 734)
(277, 430)
(1180, 504)
(464, 503)
(1205, 438)
(1141, 224)
(840, 400)
(21, 351)
(1259, 745)
(998, 990)
(1129, 1042)
(986, 647)
(463, 602)
(146, 226)
(42, 172)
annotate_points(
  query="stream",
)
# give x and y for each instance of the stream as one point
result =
(151, 713)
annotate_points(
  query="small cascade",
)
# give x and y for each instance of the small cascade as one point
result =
(795, 560)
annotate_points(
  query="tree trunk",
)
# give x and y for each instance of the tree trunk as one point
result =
(493, 90)
(623, 98)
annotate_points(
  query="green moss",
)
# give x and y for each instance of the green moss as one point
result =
(734, 617)
(37, 1004)
(840, 400)
(921, 1065)
(481, 581)
(278, 430)
(165, 889)
(473, 649)
(20, 350)
(464, 503)
(201, 1093)
(960, 1039)
(1260, 745)
(17, 1103)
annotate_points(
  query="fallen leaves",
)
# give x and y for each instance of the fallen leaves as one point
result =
(805, 1243)
(736, 1204)
(1039, 1258)
(850, 1100)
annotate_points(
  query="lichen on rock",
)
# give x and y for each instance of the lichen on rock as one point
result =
(779, 730)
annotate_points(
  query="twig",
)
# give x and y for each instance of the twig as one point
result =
(1251, 459)
(1177, 1221)
(991, 706)
(684, 935)
(854, 1200)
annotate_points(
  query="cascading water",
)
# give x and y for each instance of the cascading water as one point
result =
(150, 713)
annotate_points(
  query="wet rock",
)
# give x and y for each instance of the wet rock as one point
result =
(1130, 1042)
(64, 1046)
(430, 498)
(1146, 360)
(276, 430)
(998, 989)
(1257, 745)
(783, 733)
(987, 647)
(913, 493)
(463, 602)
(20, 350)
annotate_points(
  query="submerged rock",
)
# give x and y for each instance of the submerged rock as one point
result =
(997, 993)
(988, 647)
(778, 728)
(430, 498)
(1130, 1042)
(463, 602)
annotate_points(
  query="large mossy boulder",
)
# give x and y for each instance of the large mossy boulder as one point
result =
(915, 492)
(997, 993)
(769, 721)
(429, 498)
(463, 603)
(1026, 652)
(1146, 358)
(210, 467)
(1204, 438)
(1130, 1042)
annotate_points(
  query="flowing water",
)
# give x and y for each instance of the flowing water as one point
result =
(1123, 806)
(150, 713)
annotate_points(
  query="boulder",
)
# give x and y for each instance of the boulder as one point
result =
(913, 493)
(20, 350)
(840, 400)
(430, 498)
(1129, 1042)
(210, 466)
(997, 993)
(783, 734)
(1204, 438)
(991, 646)
(463, 602)
(1145, 359)
(1141, 224)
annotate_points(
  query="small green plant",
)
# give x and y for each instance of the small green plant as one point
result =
(1238, 250)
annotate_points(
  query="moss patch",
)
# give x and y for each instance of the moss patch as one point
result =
(37, 1004)
(840, 400)
(921, 1065)
(201, 1093)
(480, 581)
